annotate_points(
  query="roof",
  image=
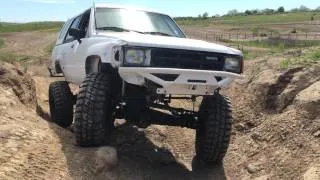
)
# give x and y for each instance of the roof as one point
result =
(125, 7)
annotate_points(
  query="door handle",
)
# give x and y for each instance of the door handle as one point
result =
(72, 46)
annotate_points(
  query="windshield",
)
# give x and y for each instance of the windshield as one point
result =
(121, 20)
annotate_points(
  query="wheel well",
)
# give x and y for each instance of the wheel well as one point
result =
(57, 67)
(92, 64)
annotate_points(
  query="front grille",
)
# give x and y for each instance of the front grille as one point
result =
(184, 59)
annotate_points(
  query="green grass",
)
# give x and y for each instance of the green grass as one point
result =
(196, 22)
(33, 26)
(314, 56)
(304, 60)
(284, 64)
(253, 19)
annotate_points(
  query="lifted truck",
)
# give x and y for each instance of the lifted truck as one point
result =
(129, 63)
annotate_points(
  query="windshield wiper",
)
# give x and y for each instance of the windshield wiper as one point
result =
(158, 33)
(118, 29)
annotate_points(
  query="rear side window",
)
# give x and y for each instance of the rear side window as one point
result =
(76, 25)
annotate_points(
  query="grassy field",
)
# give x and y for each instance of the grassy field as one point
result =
(271, 46)
(254, 19)
(277, 43)
(287, 23)
(33, 26)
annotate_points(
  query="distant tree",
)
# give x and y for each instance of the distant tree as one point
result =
(281, 9)
(233, 12)
(199, 16)
(255, 11)
(248, 12)
(318, 8)
(303, 8)
(205, 15)
(267, 11)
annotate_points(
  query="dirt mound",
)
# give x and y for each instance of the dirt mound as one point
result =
(276, 91)
(14, 81)
(277, 122)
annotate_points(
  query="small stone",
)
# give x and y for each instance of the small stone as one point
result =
(316, 134)
(253, 168)
(106, 159)
(240, 127)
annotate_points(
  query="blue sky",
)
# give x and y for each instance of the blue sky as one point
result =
(42, 10)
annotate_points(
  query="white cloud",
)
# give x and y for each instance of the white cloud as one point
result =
(53, 1)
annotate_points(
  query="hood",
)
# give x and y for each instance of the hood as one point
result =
(137, 39)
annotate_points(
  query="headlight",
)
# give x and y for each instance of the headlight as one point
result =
(134, 57)
(233, 64)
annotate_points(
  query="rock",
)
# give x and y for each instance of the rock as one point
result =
(240, 127)
(316, 134)
(106, 159)
(253, 167)
(119, 122)
(312, 173)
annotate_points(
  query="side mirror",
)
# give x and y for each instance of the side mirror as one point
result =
(76, 33)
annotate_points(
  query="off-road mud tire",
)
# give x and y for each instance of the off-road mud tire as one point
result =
(213, 129)
(61, 103)
(94, 114)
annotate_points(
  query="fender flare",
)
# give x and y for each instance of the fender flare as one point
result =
(94, 64)
(106, 51)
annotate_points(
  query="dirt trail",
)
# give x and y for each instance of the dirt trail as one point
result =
(276, 129)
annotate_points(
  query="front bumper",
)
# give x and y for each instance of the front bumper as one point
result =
(188, 82)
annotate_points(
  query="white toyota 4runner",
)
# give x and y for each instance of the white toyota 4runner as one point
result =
(130, 64)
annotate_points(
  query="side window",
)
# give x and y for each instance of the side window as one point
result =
(75, 25)
(64, 29)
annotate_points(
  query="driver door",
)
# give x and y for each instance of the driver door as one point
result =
(68, 46)
(77, 50)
